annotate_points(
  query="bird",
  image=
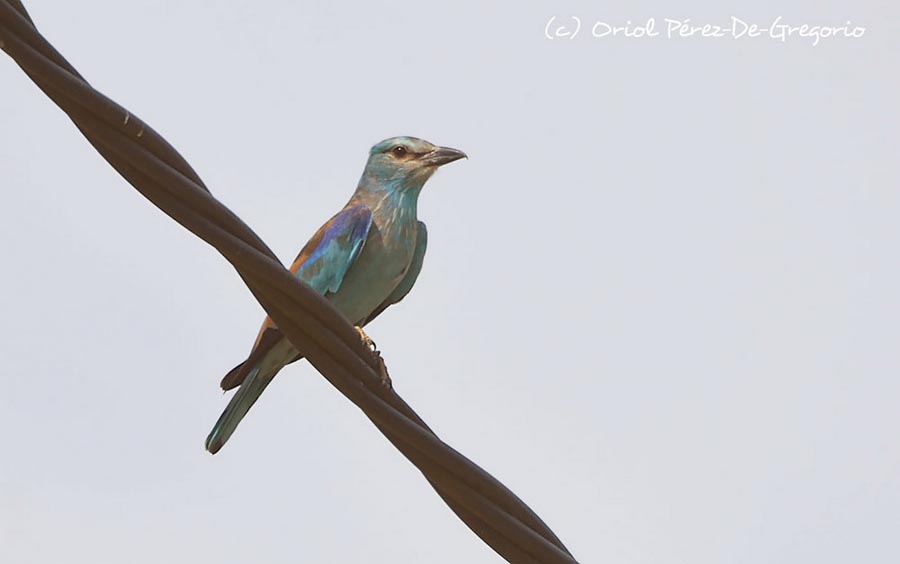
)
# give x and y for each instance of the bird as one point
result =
(364, 259)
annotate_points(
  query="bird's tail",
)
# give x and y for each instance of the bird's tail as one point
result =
(241, 402)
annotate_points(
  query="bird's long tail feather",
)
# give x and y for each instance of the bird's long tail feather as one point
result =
(241, 402)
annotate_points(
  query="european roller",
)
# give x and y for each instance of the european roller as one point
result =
(364, 259)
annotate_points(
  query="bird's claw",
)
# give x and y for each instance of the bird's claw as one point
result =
(366, 339)
(382, 367)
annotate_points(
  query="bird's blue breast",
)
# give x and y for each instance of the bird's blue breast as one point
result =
(384, 259)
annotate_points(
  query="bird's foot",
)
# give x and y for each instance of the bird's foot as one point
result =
(367, 341)
(382, 367)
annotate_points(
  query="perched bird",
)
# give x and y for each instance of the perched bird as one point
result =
(364, 259)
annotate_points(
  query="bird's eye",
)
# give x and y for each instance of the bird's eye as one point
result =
(399, 151)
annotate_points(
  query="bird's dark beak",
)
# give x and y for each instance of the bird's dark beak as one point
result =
(442, 156)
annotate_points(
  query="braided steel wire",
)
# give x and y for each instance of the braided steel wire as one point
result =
(154, 168)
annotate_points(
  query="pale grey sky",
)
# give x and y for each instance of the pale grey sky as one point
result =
(659, 302)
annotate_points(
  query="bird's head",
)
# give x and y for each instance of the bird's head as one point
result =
(405, 163)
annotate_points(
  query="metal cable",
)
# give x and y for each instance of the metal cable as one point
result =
(150, 164)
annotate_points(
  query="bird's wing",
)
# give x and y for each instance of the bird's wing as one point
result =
(412, 274)
(322, 263)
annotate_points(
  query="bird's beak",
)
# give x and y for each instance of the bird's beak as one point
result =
(442, 156)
